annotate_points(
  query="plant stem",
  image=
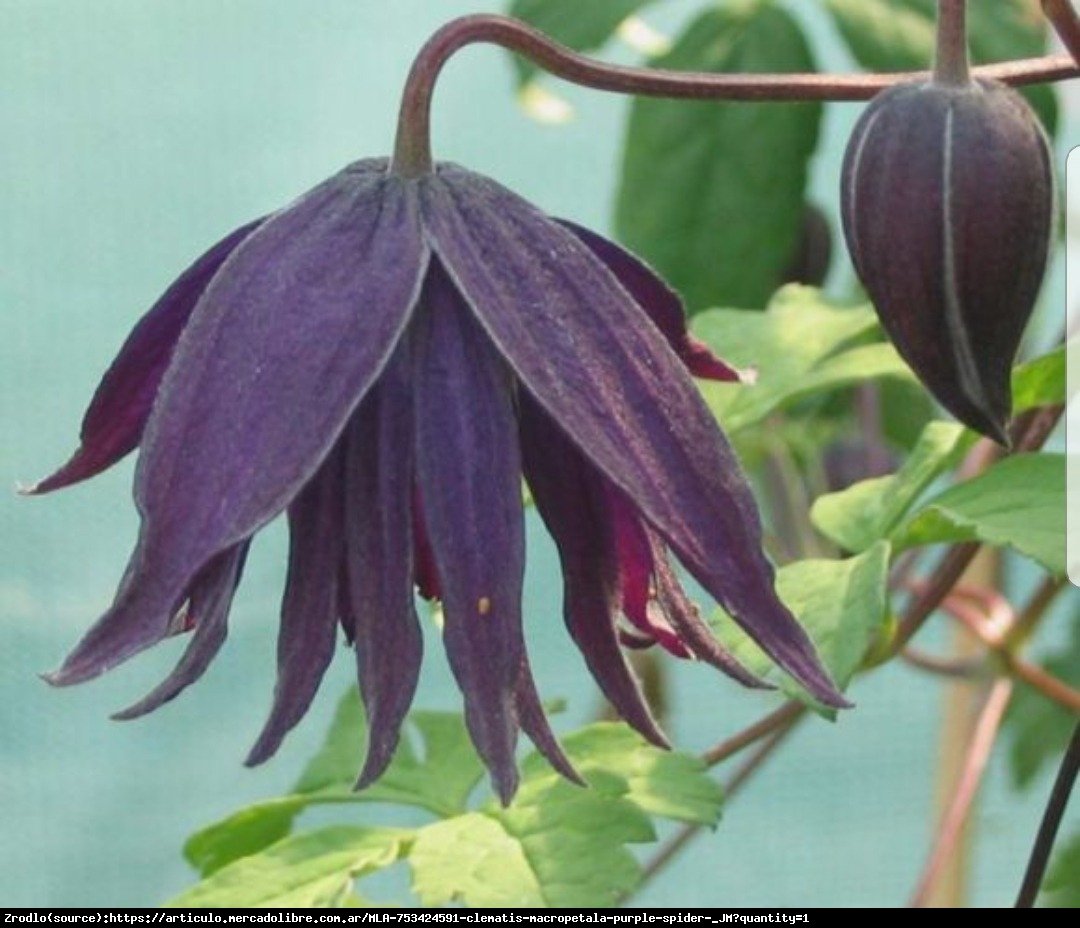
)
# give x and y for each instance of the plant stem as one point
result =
(952, 823)
(687, 833)
(1051, 822)
(412, 151)
(1066, 24)
(951, 62)
(955, 668)
(786, 715)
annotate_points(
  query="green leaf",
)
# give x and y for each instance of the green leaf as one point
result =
(559, 844)
(1018, 503)
(865, 513)
(583, 26)
(800, 346)
(842, 605)
(1061, 889)
(712, 193)
(899, 35)
(313, 870)
(1042, 382)
(1039, 728)
(440, 783)
(664, 783)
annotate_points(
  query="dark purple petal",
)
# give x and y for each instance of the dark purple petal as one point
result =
(535, 724)
(207, 610)
(569, 497)
(470, 481)
(113, 424)
(379, 547)
(663, 305)
(309, 606)
(285, 342)
(688, 624)
(583, 348)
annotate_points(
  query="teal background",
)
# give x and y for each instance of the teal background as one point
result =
(137, 132)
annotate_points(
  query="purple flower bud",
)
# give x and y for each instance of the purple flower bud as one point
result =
(948, 199)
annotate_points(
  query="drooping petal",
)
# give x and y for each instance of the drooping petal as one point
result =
(114, 422)
(687, 622)
(309, 606)
(582, 346)
(534, 722)
(636, 583)
(568, 496)
(470, 482)
(661, 303)
(379, 547)
(282, 346)
(207, 611)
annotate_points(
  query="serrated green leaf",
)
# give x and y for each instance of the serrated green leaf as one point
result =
(558, 844)
(1018, 503)
(1061, 889)
(801, 345)
(865, 513)
(899, 35)
(664, 783)
(1039, 729)
(842, 604)
(312, 870)
(712, 193)
(583, 25)
(440, 782)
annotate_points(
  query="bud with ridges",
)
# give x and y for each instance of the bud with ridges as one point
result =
(948, 203)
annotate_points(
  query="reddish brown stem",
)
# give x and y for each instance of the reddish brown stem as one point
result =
(952, 824)
(1066, 24)
(412, 152)
(786, 715)
(951, 64)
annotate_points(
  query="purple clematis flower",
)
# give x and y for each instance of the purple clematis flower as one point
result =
(383, 360)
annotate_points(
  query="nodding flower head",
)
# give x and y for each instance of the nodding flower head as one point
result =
(383, 360)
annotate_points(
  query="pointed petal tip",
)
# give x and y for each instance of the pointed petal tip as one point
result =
(260, 753)
(28, 489)
(505, 783)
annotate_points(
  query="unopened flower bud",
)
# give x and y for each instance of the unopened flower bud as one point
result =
(948, 199)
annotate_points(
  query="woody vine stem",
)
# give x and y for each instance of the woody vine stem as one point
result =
(412, 158)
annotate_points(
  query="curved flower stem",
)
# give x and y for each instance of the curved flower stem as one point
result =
(1066, 24)
(951, 63)
(1051, 822)
(412, 151)
(952, 825)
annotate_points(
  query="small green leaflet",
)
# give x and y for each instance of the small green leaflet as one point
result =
(899, 35)
(1042, 382)
(842, 604)
(868, 511)
(800, 346)
(712, 193)
(1018, 503)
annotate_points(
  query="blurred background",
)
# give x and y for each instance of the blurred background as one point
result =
(135, 134)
